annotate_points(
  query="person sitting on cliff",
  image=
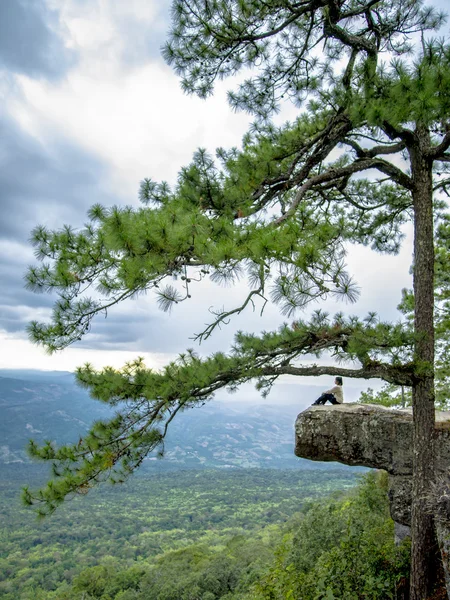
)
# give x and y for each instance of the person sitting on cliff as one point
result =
(335, 395)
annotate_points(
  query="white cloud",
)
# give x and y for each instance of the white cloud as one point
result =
(20, 354)
(139, 121)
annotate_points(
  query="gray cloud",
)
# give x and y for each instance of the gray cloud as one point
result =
(45, 184)
(140, 326)
(11, 320)
(30, 39)
(39, 185)
(124, 331)
(53, 185)
(13, 292)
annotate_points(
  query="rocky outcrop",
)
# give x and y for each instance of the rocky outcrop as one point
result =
(365, 435)
(370, 436)
(381, 438)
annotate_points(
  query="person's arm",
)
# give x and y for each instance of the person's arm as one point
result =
(333, 390)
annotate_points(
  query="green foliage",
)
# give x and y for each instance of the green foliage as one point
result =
(390, 395)
(340, 549)
(394, 396)
(105, 581)
(234, 511)
(280, 42)
(418, 92)
(235, 535)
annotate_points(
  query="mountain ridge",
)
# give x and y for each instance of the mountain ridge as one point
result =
(220, 434)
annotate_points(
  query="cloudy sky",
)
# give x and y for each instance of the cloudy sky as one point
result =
(89, 109)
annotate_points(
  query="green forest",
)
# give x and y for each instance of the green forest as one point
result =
(204, 535)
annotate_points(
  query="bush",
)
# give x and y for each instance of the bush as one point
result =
(340, 549)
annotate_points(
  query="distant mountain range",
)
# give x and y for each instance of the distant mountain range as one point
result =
(50, 406)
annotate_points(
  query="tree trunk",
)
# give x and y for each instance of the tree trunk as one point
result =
(423, 552)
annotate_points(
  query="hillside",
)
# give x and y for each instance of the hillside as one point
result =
(220, 434)
(153, 517)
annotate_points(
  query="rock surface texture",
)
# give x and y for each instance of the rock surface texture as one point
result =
(366, 435)
(377, 437)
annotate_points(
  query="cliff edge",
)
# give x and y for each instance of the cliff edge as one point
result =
(381, 438)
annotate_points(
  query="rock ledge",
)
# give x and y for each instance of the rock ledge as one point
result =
(373, 436)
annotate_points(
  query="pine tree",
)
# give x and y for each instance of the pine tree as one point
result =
(367, 154)
(393, 395)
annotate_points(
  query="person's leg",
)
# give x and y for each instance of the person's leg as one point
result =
(328, 397)
(320, 400)
(333, 399)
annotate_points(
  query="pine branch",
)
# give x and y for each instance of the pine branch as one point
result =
(394, 132)
(374, 151)
(216, 220)
(400, 376)
(438, 152)
(335, 175)
(223, 316)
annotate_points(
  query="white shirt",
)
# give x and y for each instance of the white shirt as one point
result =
(337, 392)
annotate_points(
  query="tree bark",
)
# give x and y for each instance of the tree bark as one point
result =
(443, 537)
(423, 553)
